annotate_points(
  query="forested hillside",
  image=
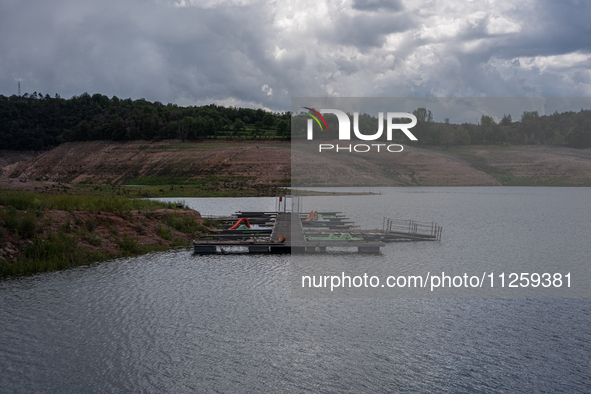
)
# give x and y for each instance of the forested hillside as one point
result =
(37, 122)
(571, 129)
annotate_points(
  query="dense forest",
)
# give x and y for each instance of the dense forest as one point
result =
(572, 129)
(37, 122)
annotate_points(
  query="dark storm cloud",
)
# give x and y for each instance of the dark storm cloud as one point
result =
(365, 31)
(548, 28)
(140, 49)
(378, 5)
(258, 53)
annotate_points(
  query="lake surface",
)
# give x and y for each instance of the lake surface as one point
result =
(177, 322)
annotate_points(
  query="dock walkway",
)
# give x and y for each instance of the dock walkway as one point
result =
(290, 226)
(306, 234)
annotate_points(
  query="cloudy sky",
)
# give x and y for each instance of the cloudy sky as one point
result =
(262, 53)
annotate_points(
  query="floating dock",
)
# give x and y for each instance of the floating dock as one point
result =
(288, 232)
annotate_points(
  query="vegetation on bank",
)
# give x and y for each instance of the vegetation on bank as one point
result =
(46, 232)
(207, 186)
(23, 200)
(162, 187)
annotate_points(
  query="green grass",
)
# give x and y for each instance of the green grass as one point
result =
(94, 240)
(164, 232)
(60, 251)
(57, 251)
(22, 216)
(184, 181)
(90, 224)
(150, 187)
(23, 200)
(185, 224)
(130, 247)
(24, 225)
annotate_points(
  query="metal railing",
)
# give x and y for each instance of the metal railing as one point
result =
(412, 227)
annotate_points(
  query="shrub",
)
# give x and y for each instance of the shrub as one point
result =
(90, 224)
(27, 226)
(23, 200)
(56, 252)
(128, 245)
(114, 232)
(66, 227)
(164, 232)
(11, 221)
(94, 240)
(184, 224)
(23, 225)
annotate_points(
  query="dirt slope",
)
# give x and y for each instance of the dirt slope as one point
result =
(412, 166)
(118, 163)
(8, 157)
(539, 162)
(268, 162)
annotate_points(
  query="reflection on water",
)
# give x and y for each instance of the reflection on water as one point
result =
(227, 206)
(176, 322)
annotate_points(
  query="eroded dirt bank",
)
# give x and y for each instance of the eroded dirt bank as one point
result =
(231, 165)
(119, 163)
(460, 166)
(36, 241)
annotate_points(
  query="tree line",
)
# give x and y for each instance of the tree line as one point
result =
(37, 122)
(572, 129)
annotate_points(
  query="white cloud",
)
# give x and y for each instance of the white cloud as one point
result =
(501, 25)
(557, 62)
(267, 89)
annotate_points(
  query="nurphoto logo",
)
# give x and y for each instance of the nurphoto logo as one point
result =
(345, 130)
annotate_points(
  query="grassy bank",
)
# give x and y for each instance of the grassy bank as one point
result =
(155, 187)
(23, 200)
(46, 232)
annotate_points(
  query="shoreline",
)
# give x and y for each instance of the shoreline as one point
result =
(41, 233)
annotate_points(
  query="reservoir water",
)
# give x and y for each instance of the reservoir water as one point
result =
(178, 322)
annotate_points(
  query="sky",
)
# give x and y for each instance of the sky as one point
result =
(260, 54)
